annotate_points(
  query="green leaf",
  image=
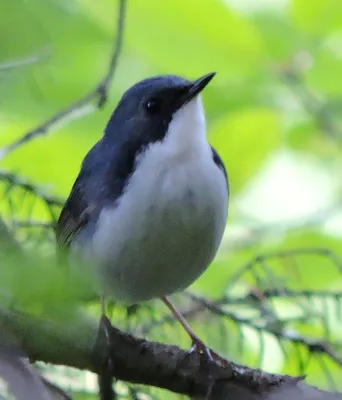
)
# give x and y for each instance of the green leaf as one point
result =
(317, 78)
(313, 270)
(245, 140)
(317, 16)
(320, 371)
(308, 138)
(194, 47)
(280, 38)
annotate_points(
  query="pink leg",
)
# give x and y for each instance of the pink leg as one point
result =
(197, 344)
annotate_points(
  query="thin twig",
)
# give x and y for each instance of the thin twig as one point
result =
(16, 181)
(284, 254)
(81, 106)
(289, 293)
(20, 224)
(313, 345)
(252, 298)
(32, 59)
(259, 231)
(316, 108)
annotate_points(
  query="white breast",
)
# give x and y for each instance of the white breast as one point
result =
(169, 222)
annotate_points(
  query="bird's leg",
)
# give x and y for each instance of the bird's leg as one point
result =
(104, 322)
(106, 377)
(197, 344)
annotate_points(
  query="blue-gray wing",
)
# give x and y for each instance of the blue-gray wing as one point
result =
(105, 172)
(83, 203)
(74, 216)
(218, 161)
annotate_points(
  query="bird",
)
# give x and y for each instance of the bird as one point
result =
(147, 212)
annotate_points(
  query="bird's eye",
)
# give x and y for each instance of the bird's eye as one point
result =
(152, 106)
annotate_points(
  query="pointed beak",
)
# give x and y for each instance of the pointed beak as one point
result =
(200, 84)
(196, 87)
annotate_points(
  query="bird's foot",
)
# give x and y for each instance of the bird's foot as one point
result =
(197, 344)
(200, 347)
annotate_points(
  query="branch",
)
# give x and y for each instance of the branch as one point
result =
(139, 361)
(81, 106)
(267, 320)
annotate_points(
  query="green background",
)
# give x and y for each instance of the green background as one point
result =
(273, 114)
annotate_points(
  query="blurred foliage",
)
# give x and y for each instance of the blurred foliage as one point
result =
(273, 114)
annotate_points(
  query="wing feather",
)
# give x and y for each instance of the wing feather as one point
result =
(74, 216)
(218, 161)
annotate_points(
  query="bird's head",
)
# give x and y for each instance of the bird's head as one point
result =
(160, 107)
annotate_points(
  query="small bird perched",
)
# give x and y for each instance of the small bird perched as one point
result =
(149, 207)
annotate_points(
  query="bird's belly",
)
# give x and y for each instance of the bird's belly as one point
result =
(167, 242)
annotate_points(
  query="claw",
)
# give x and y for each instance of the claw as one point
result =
(197, 344)
(199, 347)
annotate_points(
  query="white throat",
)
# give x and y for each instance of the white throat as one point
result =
(187, 128)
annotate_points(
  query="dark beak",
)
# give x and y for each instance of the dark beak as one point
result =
(196, 87)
